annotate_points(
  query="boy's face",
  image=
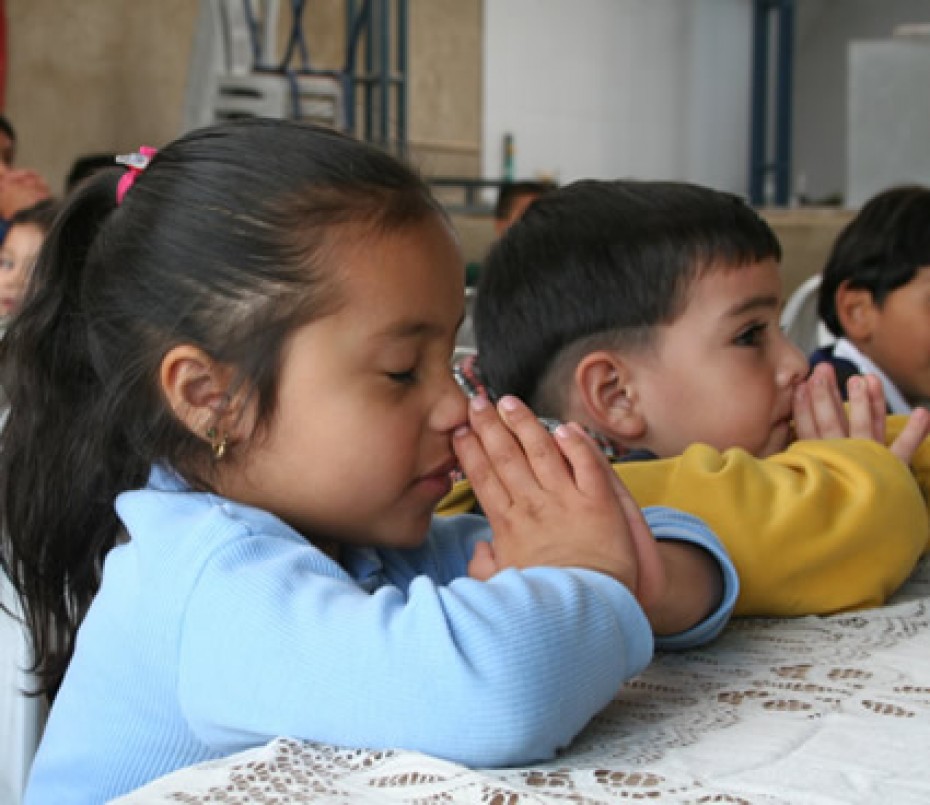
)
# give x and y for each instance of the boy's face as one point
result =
(723, 373)
(897, 337)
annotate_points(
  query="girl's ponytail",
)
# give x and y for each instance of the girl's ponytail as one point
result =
(56, 516)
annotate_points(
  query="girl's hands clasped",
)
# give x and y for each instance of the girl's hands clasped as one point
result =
(552, 499)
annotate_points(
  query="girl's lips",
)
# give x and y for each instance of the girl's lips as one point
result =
(439, 481)
(436, 486)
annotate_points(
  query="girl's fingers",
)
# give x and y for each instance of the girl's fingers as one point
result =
(531, 458)
(477, 467)
(504, 452)
(914, 432)
(589, 467)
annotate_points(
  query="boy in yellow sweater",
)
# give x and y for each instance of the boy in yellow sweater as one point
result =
(648, 312)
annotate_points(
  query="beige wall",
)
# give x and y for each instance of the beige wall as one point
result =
(94, 75)
(109, 75)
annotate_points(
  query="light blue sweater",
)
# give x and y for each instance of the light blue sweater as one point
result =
(218, 627)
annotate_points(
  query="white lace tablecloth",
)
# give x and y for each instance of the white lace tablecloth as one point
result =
(813, 710)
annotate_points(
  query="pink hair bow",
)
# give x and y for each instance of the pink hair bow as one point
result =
(135, 163)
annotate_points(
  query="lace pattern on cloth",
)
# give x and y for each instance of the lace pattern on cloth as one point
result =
(816, 710)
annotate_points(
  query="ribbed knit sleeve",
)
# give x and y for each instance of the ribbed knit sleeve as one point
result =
(484, 673)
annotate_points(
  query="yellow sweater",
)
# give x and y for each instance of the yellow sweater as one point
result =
(823, 527)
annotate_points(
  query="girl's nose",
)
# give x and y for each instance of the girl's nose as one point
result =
(451, 409)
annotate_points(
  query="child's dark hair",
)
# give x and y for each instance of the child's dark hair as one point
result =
(879, 250)
(87, 165)
(601, 264)
(509, 192)
(41, 214)
(222, 243)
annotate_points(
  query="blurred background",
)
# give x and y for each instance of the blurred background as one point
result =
(806, 107)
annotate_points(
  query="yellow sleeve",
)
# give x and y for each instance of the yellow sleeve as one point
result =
(823, 527)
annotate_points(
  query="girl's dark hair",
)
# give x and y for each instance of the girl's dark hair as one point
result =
(879, 250)
(602, 261)
(220, 243)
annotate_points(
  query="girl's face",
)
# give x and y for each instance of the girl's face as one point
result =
(17, 257)
(359, 450)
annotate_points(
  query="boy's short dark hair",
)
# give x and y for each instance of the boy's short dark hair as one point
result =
(880, 250)
(601, 264)
(509, 192)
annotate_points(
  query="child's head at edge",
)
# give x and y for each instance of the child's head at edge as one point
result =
(646, 310)
(24, 237)
(875, 287)
(277, 294)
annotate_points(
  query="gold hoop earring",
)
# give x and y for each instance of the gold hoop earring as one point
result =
(217, 443)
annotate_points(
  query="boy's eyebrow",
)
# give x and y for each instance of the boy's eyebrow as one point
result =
(753, 303)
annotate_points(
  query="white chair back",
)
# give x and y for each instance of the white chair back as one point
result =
(800, 321)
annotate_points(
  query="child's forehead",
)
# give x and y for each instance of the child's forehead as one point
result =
(759, 269)
(721, 280)
(23, 231)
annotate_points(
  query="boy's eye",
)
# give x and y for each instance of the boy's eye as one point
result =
(6, 263)
(407, 378)
(752, 336)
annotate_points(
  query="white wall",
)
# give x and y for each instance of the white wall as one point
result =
(652, 89)
(824, 33)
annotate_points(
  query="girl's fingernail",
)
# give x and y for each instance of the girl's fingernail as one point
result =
(561, 432)
(509, 403)
(479, 403)
(460, 431)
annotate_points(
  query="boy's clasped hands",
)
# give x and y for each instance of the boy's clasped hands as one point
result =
(819, 412)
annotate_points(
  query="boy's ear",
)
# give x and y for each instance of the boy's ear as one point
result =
(856, 310)
(197, 389)
(606, 389)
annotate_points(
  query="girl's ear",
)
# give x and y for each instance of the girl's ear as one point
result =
(606, 389)
(197, 389)
(857, 312)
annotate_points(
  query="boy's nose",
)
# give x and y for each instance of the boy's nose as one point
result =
(793, 366)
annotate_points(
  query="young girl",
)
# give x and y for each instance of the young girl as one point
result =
(247, 344)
